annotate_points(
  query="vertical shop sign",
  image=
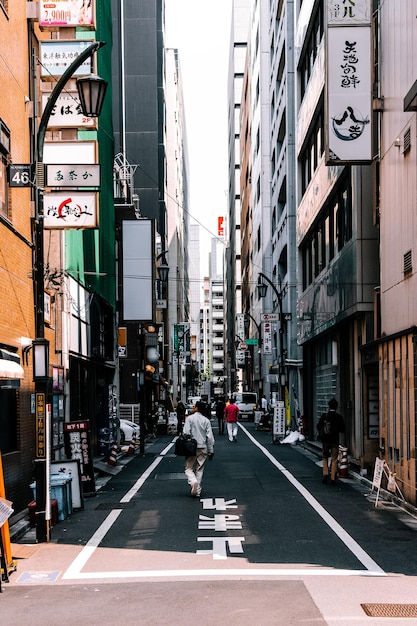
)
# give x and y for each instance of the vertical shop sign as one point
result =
(77, 446)
(348, 83)
(40, 426)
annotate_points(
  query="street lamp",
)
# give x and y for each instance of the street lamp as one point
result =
(262, 289)
(91, 91)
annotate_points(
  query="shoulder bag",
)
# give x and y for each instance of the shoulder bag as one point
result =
(185, 446)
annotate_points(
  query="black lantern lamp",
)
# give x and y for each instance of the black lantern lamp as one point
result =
(163, 270)
(40, 360)
(262, 289)
(91, 91)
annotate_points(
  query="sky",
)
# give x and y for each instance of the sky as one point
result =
(200, 29)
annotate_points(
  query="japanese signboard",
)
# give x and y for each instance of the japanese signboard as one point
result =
(77, 447)
(182, 341)
(40, 412)
(349, 89)
(67, 112)
(240, 325)
(87, 175)
(267, 337)
(269, 317)
(278, 426)
(71, 210)
(348, 12)
(57, 56)
(66, 13)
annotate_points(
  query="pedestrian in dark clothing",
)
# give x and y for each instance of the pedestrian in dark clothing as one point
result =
(181, 411)
(329, 426)
(220, 406)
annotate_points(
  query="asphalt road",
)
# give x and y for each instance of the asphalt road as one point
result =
(263, 544)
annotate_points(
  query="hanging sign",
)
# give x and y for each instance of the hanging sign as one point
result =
(66, 13)
(349, 82)
(71, 210)
(73, 175)
(57, 56)
(267, 337)
(67, 112)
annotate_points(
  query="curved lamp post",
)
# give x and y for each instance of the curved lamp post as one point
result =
(91, 91)
(262, 289)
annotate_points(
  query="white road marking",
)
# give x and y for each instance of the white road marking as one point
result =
(138, 484)
(349, 542)
(74, 570)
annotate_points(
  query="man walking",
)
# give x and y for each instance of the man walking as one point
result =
(231, 414)
(329, 426)
(199, 427)
(220, 405)
(180, 414)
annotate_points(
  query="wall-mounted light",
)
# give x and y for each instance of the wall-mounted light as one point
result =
(40, 360)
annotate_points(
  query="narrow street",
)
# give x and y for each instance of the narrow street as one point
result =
(262, 545)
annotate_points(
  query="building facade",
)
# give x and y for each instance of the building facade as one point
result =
(394, 372)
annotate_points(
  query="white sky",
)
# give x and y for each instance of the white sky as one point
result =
(200, 29)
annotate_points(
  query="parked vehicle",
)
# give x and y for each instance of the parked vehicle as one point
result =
(191, 400)
(247, 402)
(127, 428)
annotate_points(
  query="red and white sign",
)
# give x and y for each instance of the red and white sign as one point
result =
(71, 210)
(269, 317)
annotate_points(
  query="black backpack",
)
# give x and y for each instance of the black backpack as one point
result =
(326, 427)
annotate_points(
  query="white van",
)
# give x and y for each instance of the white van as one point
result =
(247, 402)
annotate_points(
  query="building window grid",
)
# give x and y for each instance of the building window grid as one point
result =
(329, 235)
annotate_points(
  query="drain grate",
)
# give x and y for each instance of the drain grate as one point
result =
(390, 610)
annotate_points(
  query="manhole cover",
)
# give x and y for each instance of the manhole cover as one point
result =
(390, 610)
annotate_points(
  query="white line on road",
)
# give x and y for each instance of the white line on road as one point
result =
(349, 542)
(74, 571)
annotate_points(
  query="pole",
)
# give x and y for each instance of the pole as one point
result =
(281, 334)
(41, 387)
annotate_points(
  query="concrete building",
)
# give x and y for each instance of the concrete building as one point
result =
(217, 316)
(238, 44)
(182, 238)
(337, 239)
(17, 322)
(395, 184)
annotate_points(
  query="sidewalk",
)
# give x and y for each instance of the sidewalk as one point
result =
(19, 524)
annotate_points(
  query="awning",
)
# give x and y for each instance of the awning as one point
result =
(10, 368)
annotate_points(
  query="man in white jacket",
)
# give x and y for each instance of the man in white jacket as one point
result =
(199, 427)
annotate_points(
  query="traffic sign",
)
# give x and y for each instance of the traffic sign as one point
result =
(251, 342)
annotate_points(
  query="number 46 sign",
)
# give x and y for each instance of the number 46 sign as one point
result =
(20, 175)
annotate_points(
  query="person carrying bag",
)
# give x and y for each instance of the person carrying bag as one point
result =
(198, 427)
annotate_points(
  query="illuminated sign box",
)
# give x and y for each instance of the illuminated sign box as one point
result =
(57, 56)
(70, 210)
(66, 13)
(67, 112)
(73, 175)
